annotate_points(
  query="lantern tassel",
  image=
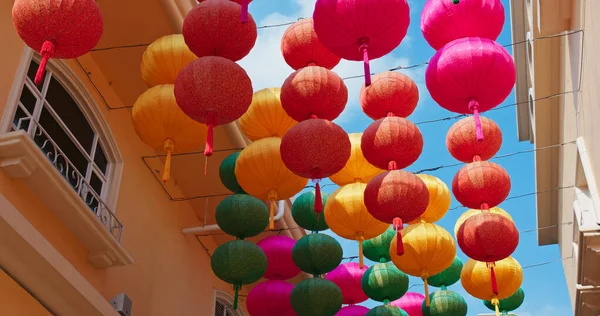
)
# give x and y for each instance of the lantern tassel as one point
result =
(496, 304)
(47, 52)
(236, 287)
(272, 196)
(318, 199)
(494, 281)
(424, 277)
(169, 147)
(364, 48)
(399, 244)
(360, 238)
(211, 121)
(474, 106)
(392, 165)
(244, 18)
(456, 1)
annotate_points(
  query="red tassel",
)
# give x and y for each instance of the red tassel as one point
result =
(364, 48)
(318, 200)
(47, 51)
(474, 106)
(398, 227)
(244, 18)
(392, 165)
(211, 121)
(494, 282)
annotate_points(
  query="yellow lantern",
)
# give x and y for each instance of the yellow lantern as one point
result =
(261, 173)
(347, 216)
(164, 58)
(472, 212)
(266, 117)
(357, 169)
(476, 278)
(161, 124)
(439, 199)
(428, 250)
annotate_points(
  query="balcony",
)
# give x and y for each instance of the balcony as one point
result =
(36, 159)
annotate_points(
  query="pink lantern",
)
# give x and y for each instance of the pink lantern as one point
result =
(361, 29)
(471, 75)
(411, 303)
(348, 276)
(278, 250)
(442, 21)
(353, 310)
(270, 298)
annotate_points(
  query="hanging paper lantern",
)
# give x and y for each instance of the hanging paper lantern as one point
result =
(391, 94)
(378, 249)
(57, 29)
(353, 310)
(488, 237)
(445, 303)
(477, 280)
(429, 249)
(304, 214)
(265, 116)
(508, 304)
(227, 174)
(410, 303)
(357, 169)
(278, 250)
(242, 216)
(270, 298)
(301, 47)
(357, 30)
(244, 4)
(347, 276)
(261, 172)
(316, 297)
(314, 92)
(386, 310)
(449, 276)
(471, 75)
(439, 199)
(164, 58)
(396, 197)
(392, 143)
(481, 185)
(348, 217)
(383, 282)
(462, 143)
(238, 262)
(211, 28)
(214, 91)
(161, 124)
(317, 254)
(443, 21)
(472, 212)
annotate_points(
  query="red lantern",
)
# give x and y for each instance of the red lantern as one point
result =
(360, 29)
(488, 237)
(396, 197)
(462, 143)
(57, 29)
(481, 185)
(314, 92)
(301, 47)
(244, 4)
(212, 29)
(270, 298)
(392, 143)
(390, 94)
(214, 91)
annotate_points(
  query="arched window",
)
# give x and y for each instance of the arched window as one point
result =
(224, 305)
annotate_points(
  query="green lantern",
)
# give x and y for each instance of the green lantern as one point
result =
(238, 262)
(383, 282)
(510, 303)
(316, 297)
(242, 216)
(317, 254)
(386, 310)
(227, 174)
(447, 277)
(303, 212)
(445, 303)
(378, 249)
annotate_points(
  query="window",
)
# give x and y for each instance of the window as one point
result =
(224, 306)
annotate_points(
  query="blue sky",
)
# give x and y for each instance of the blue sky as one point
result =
(545, 289)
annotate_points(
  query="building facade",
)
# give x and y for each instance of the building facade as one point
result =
(558, 111)
(84, 216)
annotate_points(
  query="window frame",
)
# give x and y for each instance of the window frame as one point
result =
(224, 298)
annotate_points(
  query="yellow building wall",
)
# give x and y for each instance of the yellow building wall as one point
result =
(15, 301)
(171, 274)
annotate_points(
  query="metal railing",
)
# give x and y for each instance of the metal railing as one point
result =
(70, 173)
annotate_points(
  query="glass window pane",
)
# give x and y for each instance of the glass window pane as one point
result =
(19, 114)
(96, 183)
(100, 159)
(67, 109)
(28, 99)
(33, 67)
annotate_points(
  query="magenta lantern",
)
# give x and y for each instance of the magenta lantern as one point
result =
(347, 276)
(353, 310)
(411, 303)
(270, 298)
(361, 29)
(279, 255)
(442, 21)
(471, 75)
